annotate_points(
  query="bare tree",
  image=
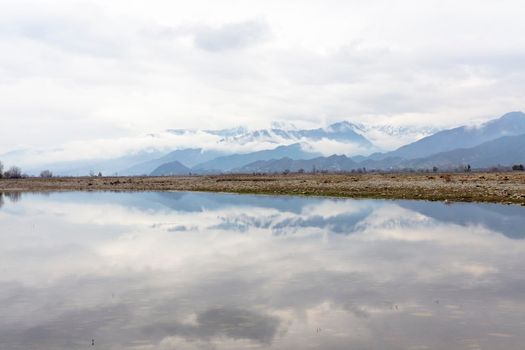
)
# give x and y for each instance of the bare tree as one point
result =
(13, 173)
(46, 174)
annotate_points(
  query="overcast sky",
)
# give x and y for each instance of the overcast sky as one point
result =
(97, 69)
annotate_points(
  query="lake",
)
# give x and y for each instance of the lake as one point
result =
(174, 270)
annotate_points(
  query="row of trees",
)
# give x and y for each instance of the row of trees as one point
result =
(15, 172)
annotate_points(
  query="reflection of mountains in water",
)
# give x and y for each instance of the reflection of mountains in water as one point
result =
(506, 219)
(302, 211)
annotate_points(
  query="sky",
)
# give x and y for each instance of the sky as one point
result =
(107, 72)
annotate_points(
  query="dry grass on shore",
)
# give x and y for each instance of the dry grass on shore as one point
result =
(502, 187)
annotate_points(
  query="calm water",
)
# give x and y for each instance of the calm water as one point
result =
(217, 271)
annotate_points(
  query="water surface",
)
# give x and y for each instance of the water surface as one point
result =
(219, 271)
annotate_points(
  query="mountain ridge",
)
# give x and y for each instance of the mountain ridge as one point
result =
(504, 151)
(414, 155)
(512, 123)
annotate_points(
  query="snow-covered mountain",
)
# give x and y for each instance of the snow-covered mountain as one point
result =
(228, 149)
(343, 132)
(388, 137)
(142, 154)
(510, 124)
(497, 142)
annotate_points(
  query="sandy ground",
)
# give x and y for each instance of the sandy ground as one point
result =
(481, 187)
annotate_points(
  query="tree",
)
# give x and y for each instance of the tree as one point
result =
(1, 170)
(435, 169)
(46, 174)
(518, 167)
(13, 173)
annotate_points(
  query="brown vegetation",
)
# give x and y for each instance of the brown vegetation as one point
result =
(482, 187)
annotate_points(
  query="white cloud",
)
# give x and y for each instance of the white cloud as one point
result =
(232, 36)
(76, 71)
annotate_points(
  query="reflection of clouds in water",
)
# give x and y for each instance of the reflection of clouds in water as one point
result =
(233, 323)
(401, 280)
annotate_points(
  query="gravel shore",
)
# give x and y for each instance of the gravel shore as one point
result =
(461, 187)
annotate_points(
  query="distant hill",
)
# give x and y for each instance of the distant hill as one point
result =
(235, 161)
(333, 164)
(171, 169)
(110, 166)
(504, 151)
(510, 124)
(285, 139)
(188, 157)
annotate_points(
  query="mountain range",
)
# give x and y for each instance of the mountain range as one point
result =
(332, 163)
(462, 137)
(504, 151)
(187, 157)
(291, 143)
(500, 142)
(280, 148)
(497, 142)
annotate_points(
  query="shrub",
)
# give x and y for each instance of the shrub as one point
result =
(46, 174)
(446, 177)
(518, 167)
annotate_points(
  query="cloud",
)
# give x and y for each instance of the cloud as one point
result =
(65, 34)
(232, 36)
(80, 71)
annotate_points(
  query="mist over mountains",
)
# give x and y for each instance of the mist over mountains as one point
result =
(462, 137)
(341, 146)
(499, 142)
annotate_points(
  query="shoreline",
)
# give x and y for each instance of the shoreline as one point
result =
(489, 187)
